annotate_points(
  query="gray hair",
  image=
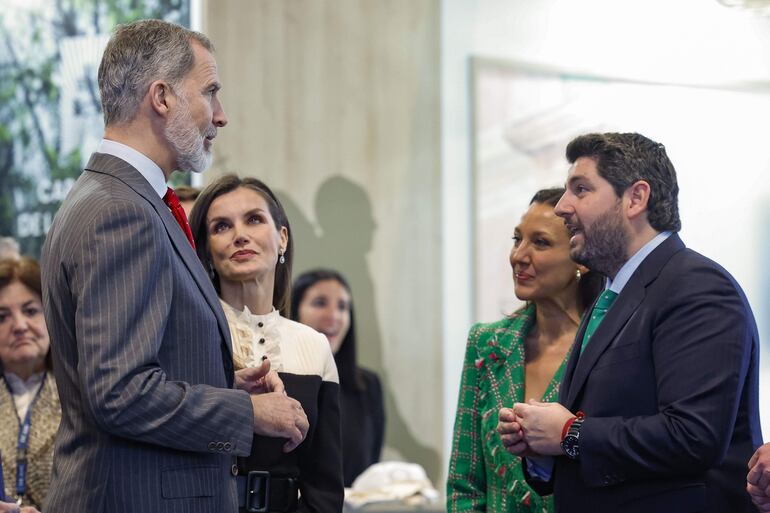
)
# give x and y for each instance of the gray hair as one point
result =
(138, 54)
(9, 248)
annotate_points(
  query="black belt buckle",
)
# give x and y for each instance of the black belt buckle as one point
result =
(258, 491)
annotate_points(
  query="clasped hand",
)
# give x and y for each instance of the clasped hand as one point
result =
(275, 414)
(533, 428)
(758, 478)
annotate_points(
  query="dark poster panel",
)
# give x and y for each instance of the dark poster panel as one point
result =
(50, 114)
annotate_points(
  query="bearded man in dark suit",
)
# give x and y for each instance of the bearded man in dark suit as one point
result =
(658, 407)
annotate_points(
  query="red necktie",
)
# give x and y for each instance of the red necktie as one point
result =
(176, 208)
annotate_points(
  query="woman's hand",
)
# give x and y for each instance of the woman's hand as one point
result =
(511, 433)
(11, 507)
(257, 380)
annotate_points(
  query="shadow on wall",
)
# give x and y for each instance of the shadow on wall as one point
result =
(341, 241)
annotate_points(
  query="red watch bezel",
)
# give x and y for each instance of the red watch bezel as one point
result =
(579, 415)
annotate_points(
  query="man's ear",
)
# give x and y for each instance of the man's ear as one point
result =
(637, 196)
(160, 95)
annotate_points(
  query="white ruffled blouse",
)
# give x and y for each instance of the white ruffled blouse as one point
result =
(290, 346)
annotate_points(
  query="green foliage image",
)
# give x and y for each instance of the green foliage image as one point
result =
(50, 112)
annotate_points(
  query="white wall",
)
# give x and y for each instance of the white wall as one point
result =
(687, 41)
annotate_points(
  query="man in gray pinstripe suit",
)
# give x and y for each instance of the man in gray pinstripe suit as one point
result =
(141, 348)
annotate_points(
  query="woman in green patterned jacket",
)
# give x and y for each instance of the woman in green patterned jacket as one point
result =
(519, 358)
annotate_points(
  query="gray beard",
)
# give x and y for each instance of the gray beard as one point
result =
(604, 246)
(187, 142)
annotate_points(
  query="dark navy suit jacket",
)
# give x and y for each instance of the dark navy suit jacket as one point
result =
(669, 387)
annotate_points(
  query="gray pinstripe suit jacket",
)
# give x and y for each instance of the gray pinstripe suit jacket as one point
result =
(142, 356)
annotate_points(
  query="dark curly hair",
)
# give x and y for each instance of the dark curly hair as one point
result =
(623, 159)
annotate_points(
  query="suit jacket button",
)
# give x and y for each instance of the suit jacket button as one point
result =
(228, 446)
(212, 446)
(220, 446)
(234, 469)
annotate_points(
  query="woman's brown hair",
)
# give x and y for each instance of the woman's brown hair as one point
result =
(26, 271)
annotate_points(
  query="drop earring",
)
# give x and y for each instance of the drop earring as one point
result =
(281, 259)
(577, 274)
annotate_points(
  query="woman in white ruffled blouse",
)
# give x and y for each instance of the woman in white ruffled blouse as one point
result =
(243, 239)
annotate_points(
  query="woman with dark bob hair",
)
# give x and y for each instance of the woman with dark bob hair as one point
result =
(29, 401)
(243, 239)
(516, 359)
(321, 299)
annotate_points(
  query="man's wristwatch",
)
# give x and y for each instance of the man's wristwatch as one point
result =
(571, 442)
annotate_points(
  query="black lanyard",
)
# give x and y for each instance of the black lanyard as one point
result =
(23, 443)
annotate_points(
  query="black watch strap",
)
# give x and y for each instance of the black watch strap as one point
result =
(571, 443)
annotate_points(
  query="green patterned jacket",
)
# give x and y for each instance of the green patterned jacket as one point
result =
(483, 476)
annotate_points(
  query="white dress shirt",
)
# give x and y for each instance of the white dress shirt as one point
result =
(146, 167)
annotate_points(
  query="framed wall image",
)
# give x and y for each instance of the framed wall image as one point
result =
(50, 111)
(522, 120)
(715, 134)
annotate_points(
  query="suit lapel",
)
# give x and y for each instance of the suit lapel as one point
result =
(625, 305)
(574, 356)
(632, 295)
(113, 166)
